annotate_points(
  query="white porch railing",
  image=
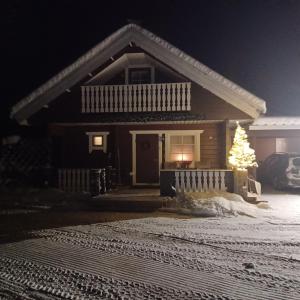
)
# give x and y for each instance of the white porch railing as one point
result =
(136, 98)
(200, 180)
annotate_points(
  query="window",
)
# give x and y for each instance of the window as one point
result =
(182, 148)
(139, 75)
(97, 141)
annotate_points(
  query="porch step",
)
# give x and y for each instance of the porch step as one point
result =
(253, 198)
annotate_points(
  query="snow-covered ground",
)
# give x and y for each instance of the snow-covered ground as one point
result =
(285, 207)
(161, 258)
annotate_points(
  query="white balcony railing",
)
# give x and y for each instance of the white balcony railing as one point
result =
(136, 98)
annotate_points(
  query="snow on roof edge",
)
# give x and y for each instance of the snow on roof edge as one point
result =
(256, 101)
(277, 121)
(68, 70)
(253, 100)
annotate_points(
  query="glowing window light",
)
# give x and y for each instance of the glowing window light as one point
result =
(182, 148)
(182, 157)
(98, 140)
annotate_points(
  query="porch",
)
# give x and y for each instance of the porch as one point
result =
(102, 181)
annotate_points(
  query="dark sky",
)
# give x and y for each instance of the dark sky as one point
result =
(254, 43)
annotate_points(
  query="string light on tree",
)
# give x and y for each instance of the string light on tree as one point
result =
(241, 156)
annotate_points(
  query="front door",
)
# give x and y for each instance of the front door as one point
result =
(147, 159)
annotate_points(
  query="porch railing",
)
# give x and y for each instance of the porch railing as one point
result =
(136, 98)
(195, 181)
(198, 181)
(93, 181)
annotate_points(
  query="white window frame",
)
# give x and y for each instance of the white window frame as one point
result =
(93, 147)
(194, 133)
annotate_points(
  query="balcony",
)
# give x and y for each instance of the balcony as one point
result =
(136, 98)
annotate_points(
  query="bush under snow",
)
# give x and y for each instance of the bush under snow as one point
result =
(213, 204)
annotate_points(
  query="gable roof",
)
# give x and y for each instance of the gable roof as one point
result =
(130, 59)
(154, 45)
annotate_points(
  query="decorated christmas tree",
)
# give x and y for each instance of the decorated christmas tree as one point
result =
(241, 156)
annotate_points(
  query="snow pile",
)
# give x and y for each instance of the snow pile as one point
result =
(213, 204)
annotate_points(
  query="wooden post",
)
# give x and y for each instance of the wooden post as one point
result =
(240, 178)
(188, 96)
(178, 100)
(163, 97)
(225, 143)
(183, 100)
(173, 97)
(158, 97)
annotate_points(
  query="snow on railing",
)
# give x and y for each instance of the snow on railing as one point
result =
(200, 180)
(136, 98)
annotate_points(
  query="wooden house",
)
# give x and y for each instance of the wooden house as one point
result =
(141, 105)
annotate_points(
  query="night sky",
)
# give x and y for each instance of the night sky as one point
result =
(253, 43)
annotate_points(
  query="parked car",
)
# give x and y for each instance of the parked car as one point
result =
(282, 170)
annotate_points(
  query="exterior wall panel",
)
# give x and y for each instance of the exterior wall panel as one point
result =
(75, 154)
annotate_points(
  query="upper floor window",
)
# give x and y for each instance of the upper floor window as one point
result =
(139, 75)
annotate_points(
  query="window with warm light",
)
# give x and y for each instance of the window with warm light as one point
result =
(98, 140)
(182, 148)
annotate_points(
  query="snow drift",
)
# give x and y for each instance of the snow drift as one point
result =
(213, 204)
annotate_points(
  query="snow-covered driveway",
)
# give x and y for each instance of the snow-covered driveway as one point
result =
(285, 206)
(159, 258)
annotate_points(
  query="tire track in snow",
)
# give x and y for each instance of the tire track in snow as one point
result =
(135, 269)
(202, 258)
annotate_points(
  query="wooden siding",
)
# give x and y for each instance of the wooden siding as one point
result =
(213, 107)
(74, 152)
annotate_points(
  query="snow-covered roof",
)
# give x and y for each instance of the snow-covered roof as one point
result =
(154, 45)
(276, 123)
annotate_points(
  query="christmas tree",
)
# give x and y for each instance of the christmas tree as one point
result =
(241, 156)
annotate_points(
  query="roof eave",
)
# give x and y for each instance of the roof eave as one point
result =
(178, 60)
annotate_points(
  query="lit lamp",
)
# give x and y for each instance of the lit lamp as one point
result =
(184, 159)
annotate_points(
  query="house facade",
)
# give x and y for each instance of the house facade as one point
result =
(141, 105)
